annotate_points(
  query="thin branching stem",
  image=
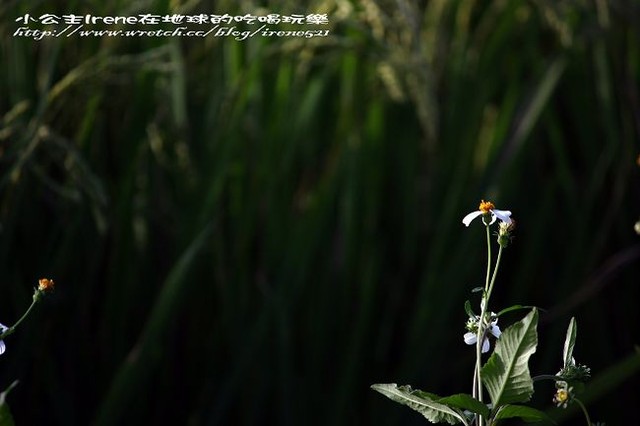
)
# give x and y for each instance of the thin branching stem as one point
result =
(546, 377)
(495, 273)
(584, 410)
(11, 329)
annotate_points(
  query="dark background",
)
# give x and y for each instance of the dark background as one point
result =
(254, 232)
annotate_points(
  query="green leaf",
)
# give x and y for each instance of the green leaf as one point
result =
(569, 342)
(465, 402)
(419, 401)
(506, 374)
(468, 310)
(5, 414)
(527, 414)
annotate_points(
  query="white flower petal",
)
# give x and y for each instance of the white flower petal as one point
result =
(3, 328)
(470, 338)
(468, 218)
(495, 330)
(503, 215)
(2, 347)
(485, 346)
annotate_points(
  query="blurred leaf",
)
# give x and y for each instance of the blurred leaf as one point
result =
(143, 357)
(539, 98)
(6, 419)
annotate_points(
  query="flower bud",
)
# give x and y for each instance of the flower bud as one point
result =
(575, 373)
(504, 233)
(45, 285)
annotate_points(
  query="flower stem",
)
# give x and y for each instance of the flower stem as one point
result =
(481, 329)
(546, 377)
(11, 329)
(584, 410)
(484, 308)
(493, 277)
(486, 281)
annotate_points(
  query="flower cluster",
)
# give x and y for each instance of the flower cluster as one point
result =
(508, 367)
(490, 327)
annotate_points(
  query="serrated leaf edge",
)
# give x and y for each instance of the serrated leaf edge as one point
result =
(534, 315)
(392, 388)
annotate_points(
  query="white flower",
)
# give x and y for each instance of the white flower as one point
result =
(471, 337)
(3, 328)
(488, 207)
(564, 394)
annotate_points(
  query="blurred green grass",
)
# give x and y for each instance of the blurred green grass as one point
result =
(254, 232)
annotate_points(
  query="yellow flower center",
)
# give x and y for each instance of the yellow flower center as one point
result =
(486, 206)
(562, 395)
(45, 284)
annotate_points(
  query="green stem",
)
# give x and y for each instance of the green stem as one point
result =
(584, 410)
(493, 277)
(474, 388)
(486, 281)
(481, 330)
(546, 377)
(488, 289)
(11, 329)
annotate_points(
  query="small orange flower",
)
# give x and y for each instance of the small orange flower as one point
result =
(45, 284)
(486, 206)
